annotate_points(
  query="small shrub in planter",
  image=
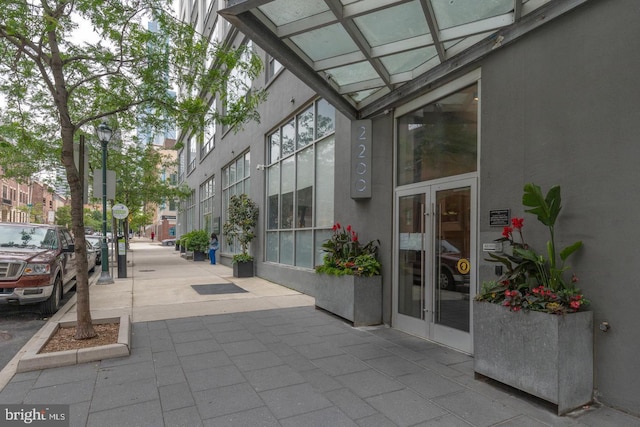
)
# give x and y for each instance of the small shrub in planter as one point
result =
(197, 241)
(345, 255)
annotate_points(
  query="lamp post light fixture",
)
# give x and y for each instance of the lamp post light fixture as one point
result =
(104, 136)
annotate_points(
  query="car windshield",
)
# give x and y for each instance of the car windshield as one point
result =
(95, 241)
(448, 248)
(28, 237)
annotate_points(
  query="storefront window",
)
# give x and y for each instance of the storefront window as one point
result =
(207, 192)
(300, 187)
(439, 139)
(236, 179)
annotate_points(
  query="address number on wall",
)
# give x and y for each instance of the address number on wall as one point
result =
(361, 159)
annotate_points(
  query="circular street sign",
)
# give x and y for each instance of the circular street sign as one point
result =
(120, 211)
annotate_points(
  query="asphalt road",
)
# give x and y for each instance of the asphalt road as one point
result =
(17, 325)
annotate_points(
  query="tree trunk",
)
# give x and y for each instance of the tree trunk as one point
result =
(84, 330)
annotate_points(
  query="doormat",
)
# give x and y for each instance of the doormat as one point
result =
(218, 289)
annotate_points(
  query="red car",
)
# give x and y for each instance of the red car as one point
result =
(37, 265)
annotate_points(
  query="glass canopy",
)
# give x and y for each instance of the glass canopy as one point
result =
(357, 53)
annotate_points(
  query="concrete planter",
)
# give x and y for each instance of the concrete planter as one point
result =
(357, 299)
(546, 355)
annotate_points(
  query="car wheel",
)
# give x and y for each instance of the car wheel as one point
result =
(52, 305)
(446, 280)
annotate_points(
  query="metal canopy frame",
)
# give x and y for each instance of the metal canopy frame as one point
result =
(368, 56)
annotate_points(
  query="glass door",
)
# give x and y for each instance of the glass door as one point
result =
(435, 259)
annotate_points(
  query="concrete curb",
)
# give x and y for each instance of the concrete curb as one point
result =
(32, 360)
(7, 373)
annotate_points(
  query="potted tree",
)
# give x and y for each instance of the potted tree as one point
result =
(239, 229)
(530, 327)
(198, 242)
(177, 245)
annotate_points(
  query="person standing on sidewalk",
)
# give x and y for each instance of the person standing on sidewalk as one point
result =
(213, 247)
(152, 235)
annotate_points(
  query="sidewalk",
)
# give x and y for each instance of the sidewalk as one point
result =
(264, 356)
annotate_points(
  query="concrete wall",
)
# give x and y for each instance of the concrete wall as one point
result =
(560, 106)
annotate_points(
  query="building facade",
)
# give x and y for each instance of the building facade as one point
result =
(425, 141)
(29, 201)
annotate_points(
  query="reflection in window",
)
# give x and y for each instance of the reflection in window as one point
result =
(288, 138)
(439, 139)
(300, 187)
(305, 127)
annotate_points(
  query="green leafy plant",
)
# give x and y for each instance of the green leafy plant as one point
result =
(531, 281)
(240, 225)
(345, 255)
(197, 240)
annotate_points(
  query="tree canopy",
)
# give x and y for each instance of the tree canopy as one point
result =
(59, 78)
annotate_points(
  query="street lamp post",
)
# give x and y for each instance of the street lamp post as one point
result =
(104, 135)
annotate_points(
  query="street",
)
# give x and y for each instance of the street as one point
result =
(18, 324)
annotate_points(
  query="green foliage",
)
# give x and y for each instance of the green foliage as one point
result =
(196, 240)
(63, 216)
(241, 221)
(241, 258)
(531, 281)
(93, 219)
(346, 255)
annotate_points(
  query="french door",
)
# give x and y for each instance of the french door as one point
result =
(435, 261)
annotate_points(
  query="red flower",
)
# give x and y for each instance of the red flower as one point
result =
(337, 225)
(506, 232)
(516, 308)
(517, 223)
(575, 304)
(335, 228)
(574, 278)
(354, 237)
(348, 228)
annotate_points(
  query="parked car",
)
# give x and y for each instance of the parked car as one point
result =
(96, 243)
(169, 242)
(450, 277)
(37, 265)
(92, 256)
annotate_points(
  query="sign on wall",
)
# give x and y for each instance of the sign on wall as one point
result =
(361, 159)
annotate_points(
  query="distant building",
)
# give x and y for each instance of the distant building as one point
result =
(30, 201)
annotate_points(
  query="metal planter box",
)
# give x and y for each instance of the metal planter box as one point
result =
(243, 269)
(357, 299)
(546, 355)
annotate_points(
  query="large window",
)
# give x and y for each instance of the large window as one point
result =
(236, 180)
(207, 193)
(300, 186)
(209, 134)
(192, 147)
(439, 139)
(272, 68)
(190, 211)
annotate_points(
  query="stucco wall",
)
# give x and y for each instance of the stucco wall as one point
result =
(560, 106)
